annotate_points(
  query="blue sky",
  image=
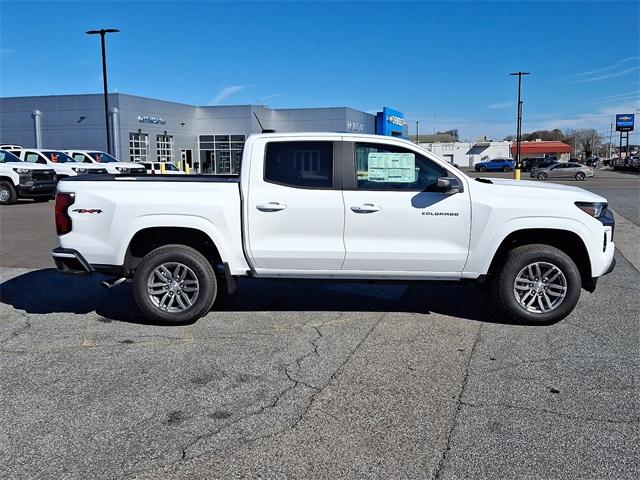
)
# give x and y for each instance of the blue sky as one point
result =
(445, 64)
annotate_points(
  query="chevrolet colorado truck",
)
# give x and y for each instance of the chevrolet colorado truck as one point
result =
(334, 206)
(19, 179)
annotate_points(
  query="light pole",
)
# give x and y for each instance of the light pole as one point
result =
(417, 133)
(516, 171)
(102, 32)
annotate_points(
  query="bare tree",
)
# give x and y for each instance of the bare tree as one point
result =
(584, 141)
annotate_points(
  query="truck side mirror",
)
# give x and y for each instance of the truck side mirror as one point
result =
(449, 185)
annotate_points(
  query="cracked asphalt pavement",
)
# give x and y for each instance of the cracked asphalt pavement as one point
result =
(292, 379)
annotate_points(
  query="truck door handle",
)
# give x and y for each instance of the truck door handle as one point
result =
(271, 207)
(366, 208)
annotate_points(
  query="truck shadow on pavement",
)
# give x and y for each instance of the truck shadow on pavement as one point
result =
(48, 291)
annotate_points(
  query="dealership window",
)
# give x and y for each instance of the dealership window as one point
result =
(299, 164)
(388, 167)
(164, 147)
(221, 154)
(138, 146)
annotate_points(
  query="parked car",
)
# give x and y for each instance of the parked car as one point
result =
(63, 164)
(591, 162)
(335, 206)
(10, 146)
(19, 179)
(563, 170)
(154, 168)
(495, 165)
(531, 163)
(107, 161)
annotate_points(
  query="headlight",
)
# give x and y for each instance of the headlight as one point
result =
(79, 170)
(123, 169)
(595, 209)
(21, 171)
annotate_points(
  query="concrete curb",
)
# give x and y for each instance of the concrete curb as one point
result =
(626, 236)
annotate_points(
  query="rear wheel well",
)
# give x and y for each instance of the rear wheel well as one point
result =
(569, 242)
(151, 238)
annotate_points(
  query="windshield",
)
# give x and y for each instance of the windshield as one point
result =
(58, 157)
(170, 166)
(8, 157)
(102, 157)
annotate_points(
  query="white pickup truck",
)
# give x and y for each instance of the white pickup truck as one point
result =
(335, 206)
(19, 179)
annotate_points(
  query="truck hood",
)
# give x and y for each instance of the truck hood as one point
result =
(553, 189)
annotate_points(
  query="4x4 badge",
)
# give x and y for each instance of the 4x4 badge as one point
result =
(87, 210)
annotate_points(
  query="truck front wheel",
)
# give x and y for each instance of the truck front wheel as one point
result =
(8, 194)
(174, 284)
(538, 284)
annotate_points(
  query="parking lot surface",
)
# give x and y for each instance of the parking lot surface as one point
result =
(292, 379)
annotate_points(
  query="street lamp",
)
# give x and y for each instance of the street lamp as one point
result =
(102, 32)
(516, 171)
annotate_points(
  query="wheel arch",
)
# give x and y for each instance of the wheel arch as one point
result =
(566, 240)
(147, 239)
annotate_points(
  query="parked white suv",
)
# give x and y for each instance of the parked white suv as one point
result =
(19, 179)
(335, 206)
(96, 157)
(63, 164)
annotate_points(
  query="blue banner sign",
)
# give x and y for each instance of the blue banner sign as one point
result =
(624, 122)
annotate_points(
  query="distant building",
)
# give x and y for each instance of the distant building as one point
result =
(210, 139)
(467, 154)
(543, 148)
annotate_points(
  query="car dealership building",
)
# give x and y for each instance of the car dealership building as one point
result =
(209, 139)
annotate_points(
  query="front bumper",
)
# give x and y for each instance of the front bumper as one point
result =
(68, 260)
(36, 189)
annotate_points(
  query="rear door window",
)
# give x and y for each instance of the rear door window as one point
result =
(299, 164)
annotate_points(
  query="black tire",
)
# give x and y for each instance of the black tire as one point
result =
(506, 169)
(580, 176)
(542, 176)
(516, 260)
(483, 169)
(8, 195)
(186, 256)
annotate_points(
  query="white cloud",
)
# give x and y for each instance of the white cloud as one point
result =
(608, 75)
(7, 51)
(273, 95)
(226, 92)
(598, 119)
(499, 105)
(597, 74)
(634, 95)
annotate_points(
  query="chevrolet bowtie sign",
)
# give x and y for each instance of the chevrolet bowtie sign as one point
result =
(154, 120)
(624, 122)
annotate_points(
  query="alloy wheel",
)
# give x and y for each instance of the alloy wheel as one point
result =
(5, 194)
(173, 287)
(540, 287)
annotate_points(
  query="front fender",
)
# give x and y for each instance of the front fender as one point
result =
(484, 247)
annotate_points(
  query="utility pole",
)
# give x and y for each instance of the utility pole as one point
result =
(417, 133)
(516, 171)
(102, 33)
(610, 138)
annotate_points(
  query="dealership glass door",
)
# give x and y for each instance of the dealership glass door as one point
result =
(221, 154)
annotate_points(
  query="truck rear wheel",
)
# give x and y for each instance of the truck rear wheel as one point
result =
(538, 284)
(174, 284)
(8, 194)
